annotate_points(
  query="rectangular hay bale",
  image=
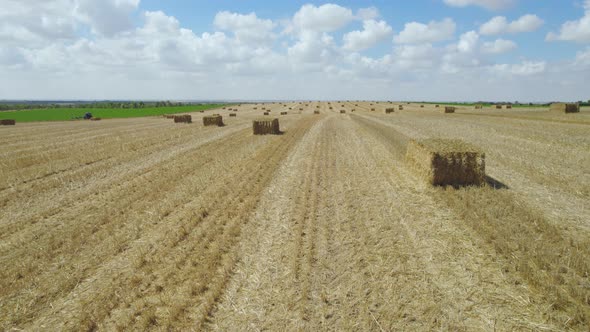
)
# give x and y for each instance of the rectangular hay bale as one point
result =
(213, 120)
(8, 122)
(232, 115)
(444, 162)
(266, 127)
(565, 108)
(449, 109)
(389, 110)
(283, 113)
(183, 119)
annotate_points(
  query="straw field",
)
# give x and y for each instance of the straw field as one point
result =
(144, 224)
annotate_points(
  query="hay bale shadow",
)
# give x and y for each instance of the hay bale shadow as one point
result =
(496, 184)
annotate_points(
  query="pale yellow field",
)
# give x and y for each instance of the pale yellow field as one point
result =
(140, 224)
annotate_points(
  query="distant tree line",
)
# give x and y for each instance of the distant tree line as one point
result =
(107, 104)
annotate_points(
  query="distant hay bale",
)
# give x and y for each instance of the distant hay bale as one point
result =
(7, 122)
(565, 108)
(266, 113)
(353, 110)
(255, 108)
(389, 110)
(436, 106)
(283, 113)
(401, 107)
(342, 111)
(316, 112)
(449, 109)
(498, 107)
(508, 106)
(266, 127)
(318, 106)
(331, 107)
(183, 119)
(478, 107)
(232, 115)
(447, 162)
(301, 108)
(213, 120)
(421, 106)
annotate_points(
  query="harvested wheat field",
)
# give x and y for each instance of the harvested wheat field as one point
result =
(141, 224)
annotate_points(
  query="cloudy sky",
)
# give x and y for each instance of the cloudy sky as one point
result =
(505, 50)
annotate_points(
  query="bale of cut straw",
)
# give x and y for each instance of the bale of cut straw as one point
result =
(232, 115)
(444, 162)
(266, 113)
(372, 110)
(508, 106)
(316, 112)
(342, 111)
(565, 108)
(449, 109)
(183, 118)
(283, 113)
(389, 110)
(213, 120)
(7, 122)
(266, 127)
(498, 107)
(436, 106)
(401, 107)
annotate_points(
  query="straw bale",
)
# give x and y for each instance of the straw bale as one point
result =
(316, 112)
(213, 120)
(389, 110)
(266, 127)
(565, 108)
(7, 122)
(508, 106)
(449, 109)
(444, 162)
(342, 111)
(183, 119)
(232, 115)
(498, 107)
(401, 107)
(283, 113)
(266, 113)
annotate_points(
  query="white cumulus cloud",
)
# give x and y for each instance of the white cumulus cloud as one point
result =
(575, 31)
(247, 28)
(488, 4)
(419, 33)
(373, 32)
(500, 25)
(498, 46)
(325, 18)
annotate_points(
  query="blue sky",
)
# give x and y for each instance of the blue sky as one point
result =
(424, 49)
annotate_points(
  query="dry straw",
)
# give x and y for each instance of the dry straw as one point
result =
(183, 119)
(444, 162)
(213, 120)
(266, 127)
(565, 108)
(7, 122)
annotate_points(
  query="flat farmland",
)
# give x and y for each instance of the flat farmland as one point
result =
(144, 224)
